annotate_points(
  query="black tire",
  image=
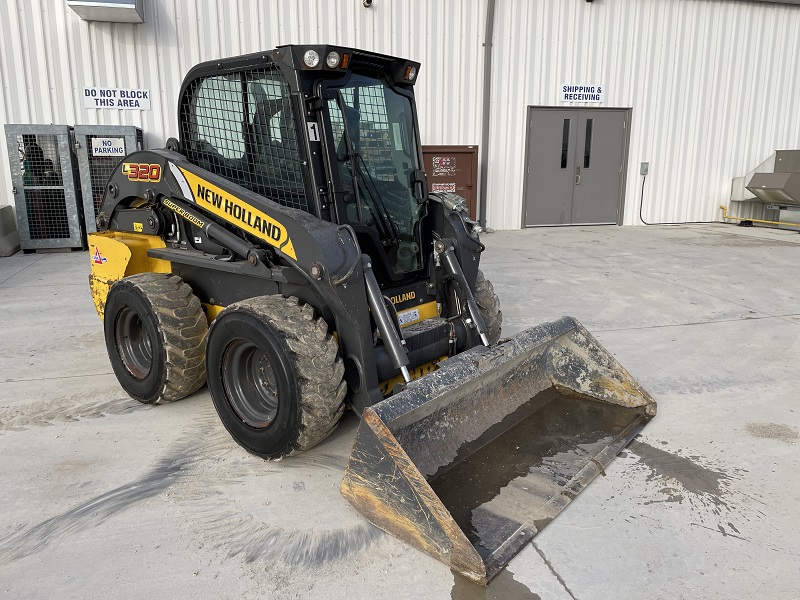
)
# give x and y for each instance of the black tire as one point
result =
(275, 375)
(155, 331)
(489, 305)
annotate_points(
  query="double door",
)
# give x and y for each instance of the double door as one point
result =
(576, 163)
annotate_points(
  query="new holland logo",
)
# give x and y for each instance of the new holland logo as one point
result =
(237, 212)
(97, 258)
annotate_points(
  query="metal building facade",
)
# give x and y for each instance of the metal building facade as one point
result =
(712, 84)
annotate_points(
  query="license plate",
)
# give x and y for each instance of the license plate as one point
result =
(408, 316)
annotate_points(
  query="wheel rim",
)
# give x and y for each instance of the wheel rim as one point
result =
(250, 383)
(134, 345)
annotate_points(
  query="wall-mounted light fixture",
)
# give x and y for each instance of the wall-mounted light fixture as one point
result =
(113, 11)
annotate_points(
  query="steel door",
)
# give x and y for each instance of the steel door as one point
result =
(598, 166)
(575, 165)
(551, 164)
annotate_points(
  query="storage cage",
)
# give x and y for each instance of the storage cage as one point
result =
(44, 175)
(100, 149)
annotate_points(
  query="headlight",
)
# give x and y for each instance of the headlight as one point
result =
(332, 60)
(311, 58)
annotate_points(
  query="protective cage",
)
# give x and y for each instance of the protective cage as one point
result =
(100, 148)
(264, 154)
(44, 173)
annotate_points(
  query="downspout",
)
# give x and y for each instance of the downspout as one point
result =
(487, 93)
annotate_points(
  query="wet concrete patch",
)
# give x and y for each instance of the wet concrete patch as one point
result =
(773, 431)
(502, 587)
(685, 478)
(708, 493)
(694, 477)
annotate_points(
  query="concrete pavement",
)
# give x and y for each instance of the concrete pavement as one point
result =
(102, 497)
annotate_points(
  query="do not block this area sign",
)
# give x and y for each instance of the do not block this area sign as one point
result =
(116, 98)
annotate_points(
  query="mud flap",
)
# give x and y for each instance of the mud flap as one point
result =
(471, 461)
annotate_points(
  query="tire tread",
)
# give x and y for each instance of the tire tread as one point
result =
(182, 326)
(489, 306)
(318, 367)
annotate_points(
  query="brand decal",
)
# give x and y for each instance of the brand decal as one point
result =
(142, 172)
(184, 213)
(400, 298)
(252, 220)
(97, 258)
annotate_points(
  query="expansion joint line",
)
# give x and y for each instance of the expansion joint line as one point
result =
(553, 571)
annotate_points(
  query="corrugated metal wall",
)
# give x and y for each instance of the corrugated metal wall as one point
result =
(713, 84)
(48, 55)
(714, 87)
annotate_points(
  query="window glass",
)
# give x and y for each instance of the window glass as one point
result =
(587, 147)
(565, 144)
(378, 121)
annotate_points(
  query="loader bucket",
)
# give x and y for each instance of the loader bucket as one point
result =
(471, 461)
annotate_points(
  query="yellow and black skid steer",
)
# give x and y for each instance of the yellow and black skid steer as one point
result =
(284, 249)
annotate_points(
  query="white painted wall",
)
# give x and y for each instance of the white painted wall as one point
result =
(713, 84)
(48, 55)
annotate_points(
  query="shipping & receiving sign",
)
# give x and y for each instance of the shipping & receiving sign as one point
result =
(581, 93)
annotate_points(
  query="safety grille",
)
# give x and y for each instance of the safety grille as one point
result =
(241, 127)
(100, 170)
(43, 186)
(44, 174)
(372, 130)
(100, 149)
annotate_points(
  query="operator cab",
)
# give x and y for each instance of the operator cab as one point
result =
(324, 129)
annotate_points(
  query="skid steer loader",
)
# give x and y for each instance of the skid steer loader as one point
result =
(292, 215)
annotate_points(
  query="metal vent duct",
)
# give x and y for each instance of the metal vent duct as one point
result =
(782, 189)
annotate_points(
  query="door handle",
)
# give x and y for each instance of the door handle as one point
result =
(577, 174)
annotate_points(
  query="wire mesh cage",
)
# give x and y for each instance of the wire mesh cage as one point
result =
(44, 175)
(100, 148)
(241, 126)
